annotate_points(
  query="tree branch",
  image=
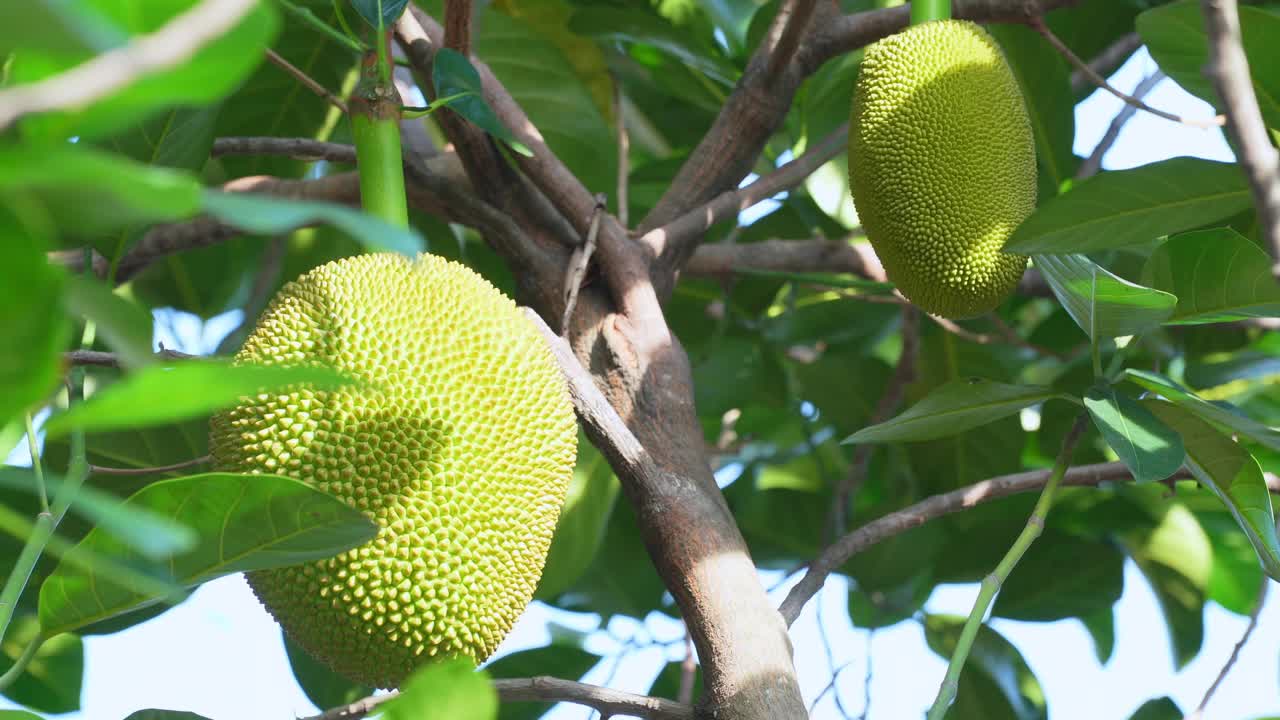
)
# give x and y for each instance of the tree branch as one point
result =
(674, 242)
(1040, 26)
(171, 45)
(1107, 61)
(97, 358)
(307, 81)
(457, 26)
(1198, 713)
(1093, 163)
(937, 506)
(1229, 69)
(794, 20)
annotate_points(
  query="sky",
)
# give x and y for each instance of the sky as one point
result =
(220, 654)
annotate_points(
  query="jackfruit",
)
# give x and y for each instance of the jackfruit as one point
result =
(942, 165)
(459, 443)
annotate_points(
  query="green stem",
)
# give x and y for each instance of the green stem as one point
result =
(310, 18)
(923, 11)
(37, 468)
(991, 584)
(20, 665)
(375, 126)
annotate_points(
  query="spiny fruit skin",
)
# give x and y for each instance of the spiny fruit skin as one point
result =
(942, 165)
(460, 446)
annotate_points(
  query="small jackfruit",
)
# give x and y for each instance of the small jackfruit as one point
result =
(459, 443)
(942, 165)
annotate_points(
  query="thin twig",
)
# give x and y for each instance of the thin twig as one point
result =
(156, 470)
(1107, 61)
(992, 583)
(174, 43)
(624, 153)
(1229, 69)
(1039, 25)
(98, 358)
(866, 678)
(309, 82)
(1235, 653)
(930, 508)
(1093, 163)
(688, 670)
(903, 373)
(579, 261)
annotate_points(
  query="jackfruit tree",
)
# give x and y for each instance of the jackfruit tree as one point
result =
(671, 359)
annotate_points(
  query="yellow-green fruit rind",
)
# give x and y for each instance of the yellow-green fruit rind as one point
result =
(942, 165)
(460, 446)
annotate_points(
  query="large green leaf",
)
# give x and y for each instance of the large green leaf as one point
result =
(561, 660)
(32, 327)
(67, 178)
(581, 528)
(164, 715)
(243, 522)
(1232, 474)
(1159, 709)
(322, 686)
(641, 27)
(1131, 207)
(209, 74)
(179, 138)
(168, 393)
(1102, 630)
(1233, 418)
(1044, 77)
(1039, 591)
(955, 407)
(1176, 558)
(51, 682)
(1175, 36)
(1149, 448)
(274, 216)
(997, 684)
(1102, 304)
(448, 690)
(1218, 276)
(56, 26)
(125, 326)
(453, 76)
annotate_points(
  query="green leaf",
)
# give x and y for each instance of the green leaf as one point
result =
(1103, 304)
(1102, 630)
(243, 522)
(581, 528)
(125, 326)
(276, 216)
(379, 13)
(18, 715)
(667, 683)
(996, 683)
(453, 74)
(637, 26)
(51, 682)
(179, 138)
(1232, 474)
(1131, 207)
(1039, 591)
(1149, 448)
(160, 394)
(150, 534)
(33, 329)
(1233, 419)
(164, 715)
(1218, 276)
(68, 178)
(1044, 78)
(1176, 558)
(1160, 709)
(446, 690)
(1175, 36)
(559, 660)
(955, 407)
(213, 71)
(322, 686)
(56, 26)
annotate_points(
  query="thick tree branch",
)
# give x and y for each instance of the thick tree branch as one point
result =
(1107, 61)
(1229, 69)
(457, 26)
(674, 242)
(171, 45)
(937, 506)
(793, 19)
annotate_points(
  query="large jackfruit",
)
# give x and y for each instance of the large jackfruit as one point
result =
(460, 445)
(942, 165)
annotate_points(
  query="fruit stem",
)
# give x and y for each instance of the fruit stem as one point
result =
(992, 583)
(375, 126)
(923, 11)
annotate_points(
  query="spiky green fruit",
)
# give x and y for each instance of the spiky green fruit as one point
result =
(460, 445)
(942, 165)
